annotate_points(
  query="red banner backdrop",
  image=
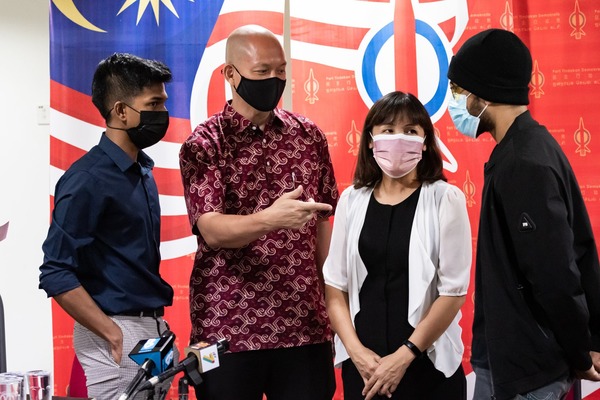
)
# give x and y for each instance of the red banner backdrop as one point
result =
(344, 55)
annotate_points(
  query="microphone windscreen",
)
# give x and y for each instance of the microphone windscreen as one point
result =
(207, 355)
(159, 350)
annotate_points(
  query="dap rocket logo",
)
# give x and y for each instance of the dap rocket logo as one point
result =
(407, 49)
(385, 46)
(582, 138)
(577, 22)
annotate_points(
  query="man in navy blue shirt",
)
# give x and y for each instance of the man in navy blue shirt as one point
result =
(102, 256)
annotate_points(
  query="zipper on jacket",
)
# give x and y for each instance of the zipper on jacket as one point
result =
(493, 396)
(521, 288)
(487, 350)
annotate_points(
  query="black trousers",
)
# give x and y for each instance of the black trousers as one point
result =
(421, 382)
(298, 373)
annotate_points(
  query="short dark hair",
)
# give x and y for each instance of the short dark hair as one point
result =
(123, 76)
(387, 110)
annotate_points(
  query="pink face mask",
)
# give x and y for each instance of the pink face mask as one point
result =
(397, 154)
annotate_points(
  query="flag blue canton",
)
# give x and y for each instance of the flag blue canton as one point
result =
(177, 40)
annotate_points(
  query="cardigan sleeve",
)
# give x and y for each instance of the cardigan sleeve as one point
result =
(455, 244)
(335, 267)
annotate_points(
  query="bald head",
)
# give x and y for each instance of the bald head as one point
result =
(254, 54)
(245, 41)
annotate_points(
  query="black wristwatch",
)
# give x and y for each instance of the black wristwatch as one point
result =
(412, 347)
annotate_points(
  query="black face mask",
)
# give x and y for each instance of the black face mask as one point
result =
(151, 129)
(261, 94)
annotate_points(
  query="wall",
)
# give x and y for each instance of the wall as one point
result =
(24, 181)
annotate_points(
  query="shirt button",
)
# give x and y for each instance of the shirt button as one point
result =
(268, 163)
(253, 127)
(264, 141)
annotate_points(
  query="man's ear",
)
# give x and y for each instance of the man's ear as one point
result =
(485, 102)
(119, 110)
(228, 72)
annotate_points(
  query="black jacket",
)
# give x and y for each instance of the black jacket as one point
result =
(537, 285)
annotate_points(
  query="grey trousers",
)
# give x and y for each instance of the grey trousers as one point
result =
(107, 380)
(556, 390)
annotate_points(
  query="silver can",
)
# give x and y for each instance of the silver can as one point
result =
(10, 388)
(40, 385)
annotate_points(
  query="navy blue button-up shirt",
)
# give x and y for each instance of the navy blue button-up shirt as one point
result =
(105, 232)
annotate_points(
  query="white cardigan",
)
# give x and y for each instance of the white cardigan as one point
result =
(439, 261)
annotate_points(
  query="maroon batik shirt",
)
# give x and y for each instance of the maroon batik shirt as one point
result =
(267, 294)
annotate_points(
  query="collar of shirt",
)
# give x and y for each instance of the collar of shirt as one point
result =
(121, 159)
(235, 122)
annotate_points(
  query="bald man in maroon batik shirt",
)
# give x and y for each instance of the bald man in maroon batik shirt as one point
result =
(259, 188)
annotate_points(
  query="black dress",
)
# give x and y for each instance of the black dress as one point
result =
(382, 322)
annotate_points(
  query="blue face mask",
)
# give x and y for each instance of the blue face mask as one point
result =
(466, 123)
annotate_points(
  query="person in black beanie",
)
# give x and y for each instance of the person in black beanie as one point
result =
(537, 279)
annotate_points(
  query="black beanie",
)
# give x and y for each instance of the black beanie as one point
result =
(494, 65)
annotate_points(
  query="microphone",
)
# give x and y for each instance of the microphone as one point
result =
(201, 357)
(206, 357)
(154, 356)
(159, 350)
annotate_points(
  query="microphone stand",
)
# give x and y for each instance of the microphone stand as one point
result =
(143, 373)
(183, 389)
(150, 394)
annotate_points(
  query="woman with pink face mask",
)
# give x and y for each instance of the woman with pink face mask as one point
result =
(399, 263)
